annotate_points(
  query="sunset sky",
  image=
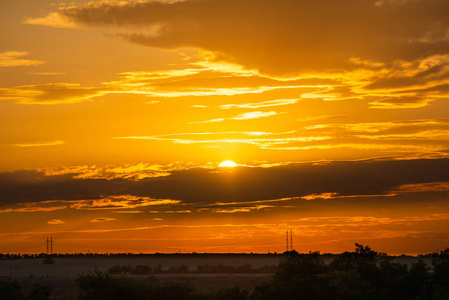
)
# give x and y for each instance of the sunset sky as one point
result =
(115, 116)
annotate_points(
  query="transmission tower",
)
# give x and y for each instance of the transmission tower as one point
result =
(50, 245)
(289, 239)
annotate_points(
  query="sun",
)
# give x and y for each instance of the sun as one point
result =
(228, 164)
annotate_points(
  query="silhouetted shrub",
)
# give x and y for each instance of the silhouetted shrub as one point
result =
(441, 275)
(115, 270)
(266, 269)
(40, 292)
(11, 290)
(225, 269)
(158, 269)
(179, 270)
(142, 270)
(298, 277)
(363, 274)
(137, 270)
(98, 285)
(229, 293)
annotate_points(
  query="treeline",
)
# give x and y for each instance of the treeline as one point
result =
(363, 274)
(16, 256)
(182, 269)
(11, 290)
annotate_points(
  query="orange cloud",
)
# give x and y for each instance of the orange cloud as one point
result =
(55, 222)
(32, 209)
(277, 102)
(12, 59)
(51, 93)
(121, 202)
(408, 68)
(101, 220)
(128, 171)
(424, 187)
(40, 144)
(184, 24)
(244, 116)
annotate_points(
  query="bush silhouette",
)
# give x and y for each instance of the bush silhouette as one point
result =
(101, 285)
(11, 290)
(228, 293)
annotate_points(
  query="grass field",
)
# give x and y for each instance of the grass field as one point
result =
(61, 275)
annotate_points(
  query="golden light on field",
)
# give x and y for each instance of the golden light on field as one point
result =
(227, 164)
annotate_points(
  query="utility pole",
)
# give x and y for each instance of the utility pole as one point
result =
(47, 245)
(291, 239)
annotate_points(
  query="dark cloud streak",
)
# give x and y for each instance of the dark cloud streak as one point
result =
(203, 186)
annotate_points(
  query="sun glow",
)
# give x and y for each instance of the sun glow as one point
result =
(228, 163)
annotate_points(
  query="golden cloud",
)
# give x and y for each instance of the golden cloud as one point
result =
(244, 116)
(101, 220)
(352, 55)
(13, 59)
(121, 202)
(127, 171)
(52, 93)
(349, 33)
(424, 187)
(55, 222)
(32, 209)
(39, 144)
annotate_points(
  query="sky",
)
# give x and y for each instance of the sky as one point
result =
(115, 116)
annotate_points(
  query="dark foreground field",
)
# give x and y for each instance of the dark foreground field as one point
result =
(363, 274)
(62, 274)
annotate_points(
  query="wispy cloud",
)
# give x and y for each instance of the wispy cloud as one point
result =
(102, 219)
(394, 136)
(40, 144)
(121, 202)
(53, 20)
(241, 209)
(52, 93)
(277, 102)
(322, 117)
(244, 116)
(261, 142)
(55, 222)
(127, 171)
(32, 209)
(184, 211)
(424, 187)
(50, 73)
(13, 59)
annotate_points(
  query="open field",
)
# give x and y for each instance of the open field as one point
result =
(61, 275)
